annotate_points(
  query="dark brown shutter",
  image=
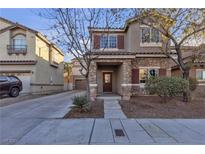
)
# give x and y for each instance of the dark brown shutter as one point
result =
(96, 44)
(120, 41)
(135, 76)
(162, 72)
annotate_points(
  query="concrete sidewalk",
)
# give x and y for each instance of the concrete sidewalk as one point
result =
(103, 131)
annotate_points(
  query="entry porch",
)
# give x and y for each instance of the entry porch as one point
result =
(110, 77)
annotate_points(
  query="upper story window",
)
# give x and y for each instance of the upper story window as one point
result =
(108, 41)
(18, 45)
(200, 74)
(19, 41)
(149, 35)
(55, 57)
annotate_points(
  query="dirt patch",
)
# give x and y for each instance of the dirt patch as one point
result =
(151, 107)
(96, 111)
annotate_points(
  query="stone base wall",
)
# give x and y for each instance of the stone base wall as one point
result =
(124, 74)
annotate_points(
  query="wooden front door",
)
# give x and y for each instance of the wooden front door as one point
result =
(107, 82)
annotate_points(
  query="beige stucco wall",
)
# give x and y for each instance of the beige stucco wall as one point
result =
(133, 41)
(50, 76)
(43, 76)
(4, 24)
(5, 40)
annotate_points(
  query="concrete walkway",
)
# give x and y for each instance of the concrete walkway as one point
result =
(112, 109)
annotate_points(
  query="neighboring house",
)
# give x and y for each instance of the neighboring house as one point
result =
(68, 83)
(197, 70)
(126, 57)
(78, 81)
(28, 55)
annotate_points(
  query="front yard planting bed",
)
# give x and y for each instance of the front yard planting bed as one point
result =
(96, 111)
(151, 107)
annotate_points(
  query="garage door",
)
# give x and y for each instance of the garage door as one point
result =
(80, 84)
(26, 83)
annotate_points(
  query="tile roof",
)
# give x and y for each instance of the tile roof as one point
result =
(18, 62)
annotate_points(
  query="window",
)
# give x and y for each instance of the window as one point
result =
(112, 42)
(108, 41)
(19, 42)
(103, 42)
(150, 35)
(200, 74)
(3, 79)
(153, 72)
(55, 57)
(145, 35)
(145, 73)
(154, 35)
(107, 78)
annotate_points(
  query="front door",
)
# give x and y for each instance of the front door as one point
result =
(107, 82)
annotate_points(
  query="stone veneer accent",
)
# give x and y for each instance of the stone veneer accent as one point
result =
(93, 80)
(149, 62)
(125, 67)
(126, 79)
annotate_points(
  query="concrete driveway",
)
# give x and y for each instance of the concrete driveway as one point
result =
(18, 119)
(39, 121)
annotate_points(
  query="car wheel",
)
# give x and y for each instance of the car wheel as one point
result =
(14, 92)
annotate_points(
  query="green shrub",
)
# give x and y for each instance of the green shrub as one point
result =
(193, 83)
(166, 87)
(80, 102)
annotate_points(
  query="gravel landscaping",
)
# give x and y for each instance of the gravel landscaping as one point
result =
(151, 107)
(97, 111)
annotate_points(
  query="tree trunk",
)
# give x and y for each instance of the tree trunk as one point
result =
(88, 92)
(186, 94)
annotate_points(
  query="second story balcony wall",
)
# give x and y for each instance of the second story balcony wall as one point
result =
(17, 49)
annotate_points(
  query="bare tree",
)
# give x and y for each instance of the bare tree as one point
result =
(178, 28)
(71, 32)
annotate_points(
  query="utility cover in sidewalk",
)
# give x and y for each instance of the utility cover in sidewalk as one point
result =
(119, 132)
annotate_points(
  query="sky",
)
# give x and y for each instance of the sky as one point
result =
(30, 18)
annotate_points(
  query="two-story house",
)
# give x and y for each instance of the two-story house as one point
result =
(31, 57)
(126, 57)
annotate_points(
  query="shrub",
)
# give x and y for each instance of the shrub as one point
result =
(80, 102)
(166, 87)
(193, 83)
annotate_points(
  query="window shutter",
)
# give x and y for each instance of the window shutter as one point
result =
(120, 41)
(162, 72)
(96, 44)
(135, 76)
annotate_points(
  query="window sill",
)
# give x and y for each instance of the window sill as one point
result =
(150, 44)
(54, 64)
(17, 52)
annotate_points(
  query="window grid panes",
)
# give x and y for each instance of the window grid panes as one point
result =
(19, 42)
(155, 36)
(112, 42)
(150, 35)
(145, 73)
(103, 42)
(200, 74)
(108, 42)
(145, 35)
